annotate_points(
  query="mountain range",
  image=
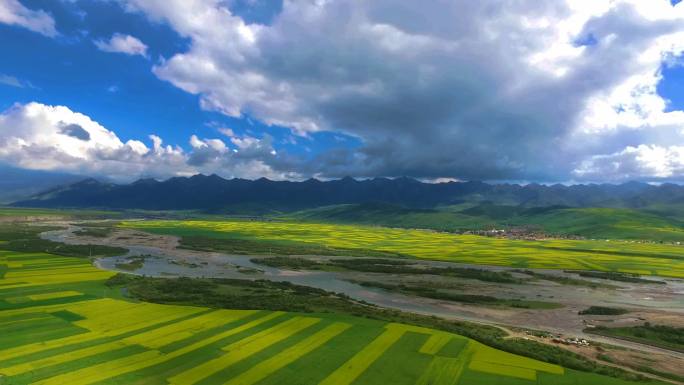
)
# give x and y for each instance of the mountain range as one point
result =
(215, 194)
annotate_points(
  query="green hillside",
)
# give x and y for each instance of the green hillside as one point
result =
(381, 214)
(605, 223)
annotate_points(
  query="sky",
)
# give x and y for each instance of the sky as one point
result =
(521, 90)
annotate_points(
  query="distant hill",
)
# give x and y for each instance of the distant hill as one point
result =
(16, 183)
(215, 194)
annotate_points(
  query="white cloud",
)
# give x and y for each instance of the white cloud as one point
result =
(460, 89)
(226, 131)
(126, 44)
(12, 12)
(196, 143)
(641, 162)
(216, 144)
(42, 137)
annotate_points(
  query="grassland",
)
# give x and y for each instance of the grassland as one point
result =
(380, 214)
(387, 266)
(663, 336)
(22, 238)
(23, 213)
(606, 223)
(602, 310)
(329, 239)
(62, 325)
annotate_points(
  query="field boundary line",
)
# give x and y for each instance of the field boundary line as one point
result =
(243, 349)
(99, 372)
(355, 366)
(435, 343)
(62, 358)
(265, 368)
(157, 358)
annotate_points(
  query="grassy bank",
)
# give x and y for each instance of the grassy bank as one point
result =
(666, 337)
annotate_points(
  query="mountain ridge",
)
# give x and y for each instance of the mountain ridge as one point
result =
(214, 193)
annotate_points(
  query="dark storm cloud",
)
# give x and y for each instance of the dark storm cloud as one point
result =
(75, 131)
(478, 90)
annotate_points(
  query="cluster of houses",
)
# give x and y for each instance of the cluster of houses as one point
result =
(523, 232)
(487, 233)
(534, 234)
(570, 341)
(559, 339)
(644, 241)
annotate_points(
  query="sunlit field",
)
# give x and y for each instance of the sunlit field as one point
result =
(61, 325)
(604, 255)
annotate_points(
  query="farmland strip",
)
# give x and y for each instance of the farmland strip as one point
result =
(102, 371)
(435, 343)
(62, 358)
(243, 349)
(288, 356)
(353, 368)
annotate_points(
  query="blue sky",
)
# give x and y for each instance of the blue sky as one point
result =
(321, 92)
(120, 91)
(672, 87)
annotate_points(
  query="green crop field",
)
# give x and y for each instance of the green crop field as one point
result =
(621, 256)
(62, 325)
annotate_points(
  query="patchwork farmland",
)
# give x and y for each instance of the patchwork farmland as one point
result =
(62, 325)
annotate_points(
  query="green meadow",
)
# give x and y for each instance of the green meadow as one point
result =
(607, 223)
(336, 239)
(20, 212)
(62, 325)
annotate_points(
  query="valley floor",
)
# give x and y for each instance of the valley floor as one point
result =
(67, 326)
(258, 237)
(657, 303)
